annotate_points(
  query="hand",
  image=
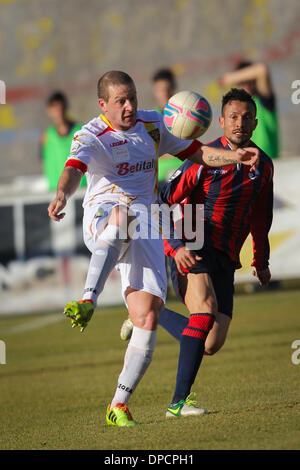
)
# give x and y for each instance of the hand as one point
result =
(263, 276)
(55, 207)
(184, 258)
(249, 156)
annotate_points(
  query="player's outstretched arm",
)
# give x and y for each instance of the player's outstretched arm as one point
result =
(67, 185)
(216, 157)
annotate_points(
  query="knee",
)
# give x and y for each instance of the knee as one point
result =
(148, 319)
(210, 305)
(207, 304)
(213, 348)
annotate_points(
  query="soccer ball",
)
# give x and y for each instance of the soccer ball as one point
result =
(187, 115)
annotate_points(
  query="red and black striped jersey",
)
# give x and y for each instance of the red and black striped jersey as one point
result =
(236, 203)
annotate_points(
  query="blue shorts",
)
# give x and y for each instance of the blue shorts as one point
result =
(221, 271)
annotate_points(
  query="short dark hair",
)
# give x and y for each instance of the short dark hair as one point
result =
(165, 74)
(58, 96)
(237, 94)
(114, 77)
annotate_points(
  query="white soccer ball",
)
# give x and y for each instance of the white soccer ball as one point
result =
(187, 115)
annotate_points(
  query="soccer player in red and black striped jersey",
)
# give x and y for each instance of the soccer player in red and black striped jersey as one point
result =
(236, 203)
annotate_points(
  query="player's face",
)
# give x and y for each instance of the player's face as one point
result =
(162, 90)
(121, 107)
(238, 122)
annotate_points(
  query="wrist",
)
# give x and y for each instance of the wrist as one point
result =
(259, 267)
(231, 157)
(174, 251)
(61, 196)
(241, 156)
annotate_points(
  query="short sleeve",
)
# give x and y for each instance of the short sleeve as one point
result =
(83, 149)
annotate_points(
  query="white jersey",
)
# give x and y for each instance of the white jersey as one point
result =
(122, 165)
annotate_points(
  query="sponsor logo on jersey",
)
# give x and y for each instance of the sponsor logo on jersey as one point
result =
(117, 144)
(125, 168)
(217, 171)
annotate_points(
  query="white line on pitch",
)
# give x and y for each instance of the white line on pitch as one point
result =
(36, 324)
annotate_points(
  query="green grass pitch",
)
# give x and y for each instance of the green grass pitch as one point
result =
(57, 382)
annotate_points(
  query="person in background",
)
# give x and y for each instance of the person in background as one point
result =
(256, 80)
(164, 86)
(57, 138)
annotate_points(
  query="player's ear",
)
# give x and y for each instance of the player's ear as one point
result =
(221, 122)
(255, 123)
(102, 104)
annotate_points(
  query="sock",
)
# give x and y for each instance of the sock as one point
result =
(137, 359)
(192, 344)
(173, 322)
(103, 260)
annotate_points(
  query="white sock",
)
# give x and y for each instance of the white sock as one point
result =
(137, 359)
(103, 260)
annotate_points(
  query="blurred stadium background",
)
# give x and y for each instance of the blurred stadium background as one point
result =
(47, 45)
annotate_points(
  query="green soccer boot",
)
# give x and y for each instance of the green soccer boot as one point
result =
(79, 312)
(187, 407)
(119, 415)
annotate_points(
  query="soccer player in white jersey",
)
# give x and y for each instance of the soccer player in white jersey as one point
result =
(118, 152)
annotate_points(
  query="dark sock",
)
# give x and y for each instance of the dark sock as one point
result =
(192, 344)
(173, 322)
(190, 357)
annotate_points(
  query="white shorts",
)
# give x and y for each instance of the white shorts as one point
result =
(141, 263)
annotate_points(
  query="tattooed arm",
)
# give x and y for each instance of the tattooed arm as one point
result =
(217, 157)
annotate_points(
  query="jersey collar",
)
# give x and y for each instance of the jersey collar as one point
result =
(108, 123)
(101, 116)
(225, 142)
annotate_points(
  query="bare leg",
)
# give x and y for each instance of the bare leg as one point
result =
(217, 335)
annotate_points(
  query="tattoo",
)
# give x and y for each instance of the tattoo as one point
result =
(229, 160)
(218, 158)
(212, 158)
